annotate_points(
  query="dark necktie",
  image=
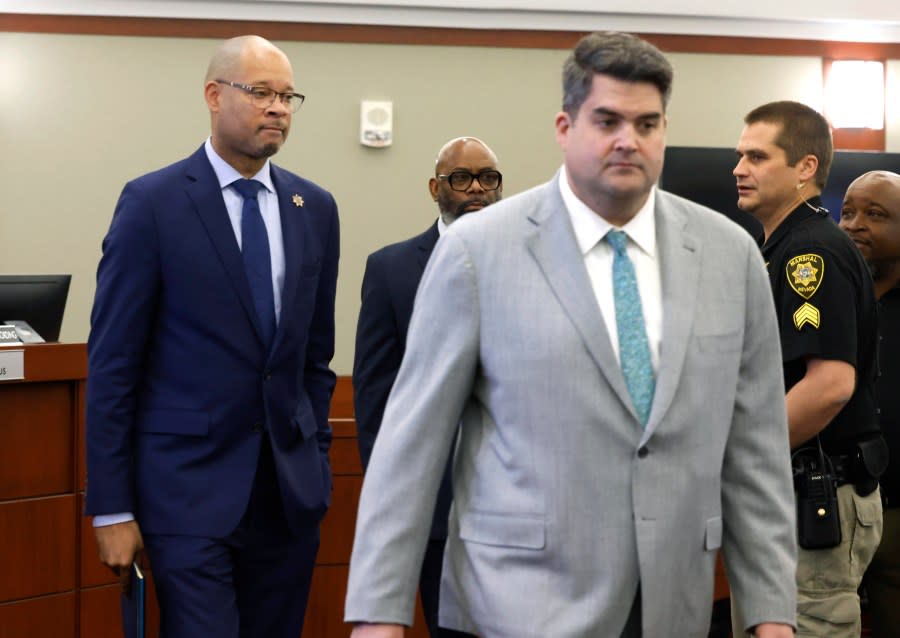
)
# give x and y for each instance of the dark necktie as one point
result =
(634, 350)
(257, 260)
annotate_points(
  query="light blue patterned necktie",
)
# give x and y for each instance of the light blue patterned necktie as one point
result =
(634, 350)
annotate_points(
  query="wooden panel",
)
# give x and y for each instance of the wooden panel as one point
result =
(342, 399)
(37, 551)
(79, 421)
(340, 522)
(720, 589)
(101, 612)
(342, 427)
(55, 362)
(91, 571)
(344, 456)
(325, 610)
(36, 439)
(45, 617)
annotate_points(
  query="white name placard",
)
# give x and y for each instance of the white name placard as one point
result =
(12, 364)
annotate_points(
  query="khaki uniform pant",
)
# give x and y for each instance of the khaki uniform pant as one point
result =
(882, 580)
(828, 579)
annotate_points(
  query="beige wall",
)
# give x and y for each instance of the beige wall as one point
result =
(79, 115)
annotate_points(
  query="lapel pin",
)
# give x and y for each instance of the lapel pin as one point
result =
(298, 201)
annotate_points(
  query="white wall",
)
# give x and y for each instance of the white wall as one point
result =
(80, 115)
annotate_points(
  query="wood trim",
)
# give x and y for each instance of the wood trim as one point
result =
(858, 139)
(55, 362)
(377, 34)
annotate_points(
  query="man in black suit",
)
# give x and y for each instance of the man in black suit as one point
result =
(466, 179)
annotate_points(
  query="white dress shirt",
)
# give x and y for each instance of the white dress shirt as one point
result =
(268, 207)
(590, 229)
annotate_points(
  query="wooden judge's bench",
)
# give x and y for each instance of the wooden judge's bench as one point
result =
(52, 584)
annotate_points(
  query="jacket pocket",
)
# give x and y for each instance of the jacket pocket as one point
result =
(503, 530)
(184, 422)
(305, 422)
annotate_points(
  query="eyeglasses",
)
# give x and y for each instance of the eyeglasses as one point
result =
(263, 97)
(461, 180)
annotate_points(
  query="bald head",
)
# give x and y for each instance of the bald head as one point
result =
(458, 145)
(873, 179)
(232, 54)
(870, 215)
(459, 160)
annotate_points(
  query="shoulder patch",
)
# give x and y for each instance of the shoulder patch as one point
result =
(806, 314)
(805, 274)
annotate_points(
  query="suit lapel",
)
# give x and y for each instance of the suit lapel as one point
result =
(292, 230)
(680, 254)
(206, 196)
(553, 245)
(425, 246)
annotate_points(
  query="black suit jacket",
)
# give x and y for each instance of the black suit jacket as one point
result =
(388, 292)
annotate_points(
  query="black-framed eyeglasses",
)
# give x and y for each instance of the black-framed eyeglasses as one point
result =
(461, 180)
(263, 97)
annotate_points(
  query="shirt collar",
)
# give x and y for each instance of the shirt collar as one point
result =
(442, 227)
(801, 213)
(226, 173)
(590, 227)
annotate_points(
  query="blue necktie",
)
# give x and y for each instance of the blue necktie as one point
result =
(634, 350)
(257, 260)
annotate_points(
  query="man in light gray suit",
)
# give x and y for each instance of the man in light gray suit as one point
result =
(610, 354)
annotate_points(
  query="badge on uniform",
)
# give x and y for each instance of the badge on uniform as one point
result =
(804, 275)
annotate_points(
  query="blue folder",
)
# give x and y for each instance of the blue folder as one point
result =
(133, 604)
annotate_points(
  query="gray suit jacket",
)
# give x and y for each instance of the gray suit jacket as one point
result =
(563, 505)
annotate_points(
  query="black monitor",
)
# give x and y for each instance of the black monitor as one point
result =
(40, 300)
(704, 175)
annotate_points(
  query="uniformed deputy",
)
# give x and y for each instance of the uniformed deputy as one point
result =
(870, 215)
(825, 302)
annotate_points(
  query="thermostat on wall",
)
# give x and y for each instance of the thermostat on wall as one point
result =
(376, 121)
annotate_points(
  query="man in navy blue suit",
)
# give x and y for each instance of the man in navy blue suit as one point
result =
(209, 382)
(466, 180)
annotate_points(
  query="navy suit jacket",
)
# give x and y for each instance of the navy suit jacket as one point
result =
(179, 382)
(388, 292)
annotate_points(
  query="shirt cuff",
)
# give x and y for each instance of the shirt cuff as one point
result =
(111, 519)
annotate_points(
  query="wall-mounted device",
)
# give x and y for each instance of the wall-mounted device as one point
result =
(376, 123)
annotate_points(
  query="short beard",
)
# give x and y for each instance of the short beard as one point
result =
(450, 216)
(268, 150)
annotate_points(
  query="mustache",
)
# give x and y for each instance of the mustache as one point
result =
(475, 200)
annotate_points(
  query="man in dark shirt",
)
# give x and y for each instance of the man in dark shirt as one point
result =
(825, 303)
(871, 217)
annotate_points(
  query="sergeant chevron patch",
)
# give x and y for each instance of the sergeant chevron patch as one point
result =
(806, 314)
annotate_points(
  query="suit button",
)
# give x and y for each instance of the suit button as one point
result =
(256, 427)
(267, 375)
(643, 452)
